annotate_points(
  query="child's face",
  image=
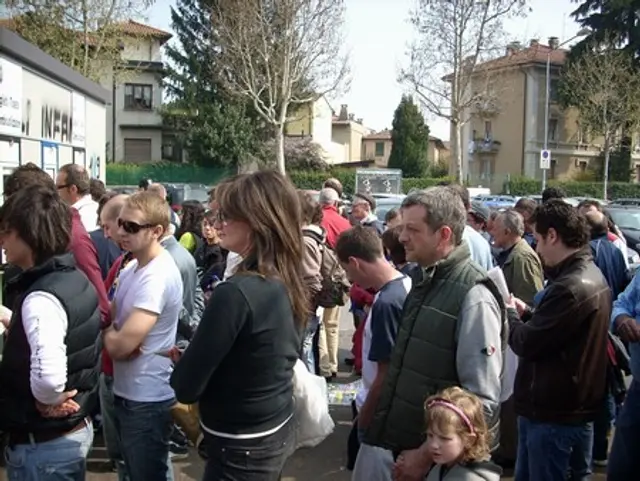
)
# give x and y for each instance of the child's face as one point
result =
(445, 448)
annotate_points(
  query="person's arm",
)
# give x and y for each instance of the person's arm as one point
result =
(625, 304)
(528, 278)
(45, 324)
(212, 341)
(149, 303)
(311, 261)
(385, 319)
(552, 325)
(86, 258)
(479, 351)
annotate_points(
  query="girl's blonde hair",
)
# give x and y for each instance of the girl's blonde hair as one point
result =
(458, 411)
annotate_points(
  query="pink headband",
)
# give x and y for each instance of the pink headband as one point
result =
(455, 409)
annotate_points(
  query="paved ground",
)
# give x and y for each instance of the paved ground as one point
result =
(325, 462)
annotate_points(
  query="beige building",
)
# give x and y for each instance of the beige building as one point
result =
(505, 136)
(314, 119)
(377, 147)
(349, 131)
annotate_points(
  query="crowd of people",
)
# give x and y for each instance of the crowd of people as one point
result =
(117, 311)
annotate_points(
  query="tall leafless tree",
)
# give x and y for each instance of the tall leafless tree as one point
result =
(453, 37)
(280, 54)
(604, 86)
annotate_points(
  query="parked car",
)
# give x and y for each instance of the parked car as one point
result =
(385, 204)
(123, 189)
(627, 218)
(627, 201)
(496, 201)
(177, 193)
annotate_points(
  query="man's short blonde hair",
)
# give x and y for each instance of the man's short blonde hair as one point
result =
(154, 209)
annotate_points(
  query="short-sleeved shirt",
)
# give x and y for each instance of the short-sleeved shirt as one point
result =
(157, 288)
(380, 330)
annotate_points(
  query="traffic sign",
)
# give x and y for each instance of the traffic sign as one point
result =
(545, 159)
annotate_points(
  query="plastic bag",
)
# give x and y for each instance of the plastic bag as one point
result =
(313, 421)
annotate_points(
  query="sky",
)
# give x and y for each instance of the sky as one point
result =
(377, 35)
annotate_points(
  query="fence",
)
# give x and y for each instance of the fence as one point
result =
(130, 174)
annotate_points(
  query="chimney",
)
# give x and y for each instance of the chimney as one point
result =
(553, 43)
(534, 42)
(360, 120)
(513, 47)
(352, 117)
(344, 112)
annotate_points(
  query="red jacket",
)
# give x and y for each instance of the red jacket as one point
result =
(86, 258)
(334, 224)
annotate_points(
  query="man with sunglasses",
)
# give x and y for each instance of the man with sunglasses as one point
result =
(146, 307)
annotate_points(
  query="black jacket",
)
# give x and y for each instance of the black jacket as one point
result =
(59, 277)
(562, 370)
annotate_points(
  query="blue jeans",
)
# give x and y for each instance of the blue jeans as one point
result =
(624, 459)
(108, 419)
(545, 450)
(308, 356)
(602, 427)
(259, 459)
(61, 459)
(144, 430)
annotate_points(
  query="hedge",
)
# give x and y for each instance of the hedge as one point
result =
(615, 190)
(130, 174)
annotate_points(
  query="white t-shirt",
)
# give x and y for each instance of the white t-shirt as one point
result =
(233, 261)
(380, 329)
(157, 287)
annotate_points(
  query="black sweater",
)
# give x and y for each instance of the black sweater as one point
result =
(239, 365)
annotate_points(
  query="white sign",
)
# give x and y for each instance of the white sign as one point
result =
(78, 108)
(545, 159)
(10, 98)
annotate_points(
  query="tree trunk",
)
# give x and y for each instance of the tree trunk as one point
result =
(607, 156)
(456, 145)
(280, 149)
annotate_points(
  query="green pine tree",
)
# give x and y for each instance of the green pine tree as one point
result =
(215, 128)
(410, 140)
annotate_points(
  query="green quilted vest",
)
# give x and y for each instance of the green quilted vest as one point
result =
(423, 361)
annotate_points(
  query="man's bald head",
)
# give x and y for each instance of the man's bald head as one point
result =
(159, 190)
(111, 210)
(597, 222)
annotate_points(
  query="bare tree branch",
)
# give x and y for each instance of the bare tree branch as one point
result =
(453, 37)
(604, 86)
(279, 53)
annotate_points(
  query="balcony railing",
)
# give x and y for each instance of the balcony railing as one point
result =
(484, 146)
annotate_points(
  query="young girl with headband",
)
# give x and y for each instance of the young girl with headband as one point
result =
(457, 438)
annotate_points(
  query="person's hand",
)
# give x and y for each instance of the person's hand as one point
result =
(519, 305)
(65, 407)
(175, 353)
(411, 466)
(627, 328)
(5, 321)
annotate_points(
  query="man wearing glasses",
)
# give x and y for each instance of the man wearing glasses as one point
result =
(145, 310)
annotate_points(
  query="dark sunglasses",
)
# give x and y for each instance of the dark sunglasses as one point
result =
(131, 227)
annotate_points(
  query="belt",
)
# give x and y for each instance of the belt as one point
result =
(16, 438)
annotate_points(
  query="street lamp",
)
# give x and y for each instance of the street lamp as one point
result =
(581, 33)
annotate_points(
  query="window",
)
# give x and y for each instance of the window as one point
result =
(138, 96)
(487, 131)
(379, 149)
(553, 127)
(553, 90)
(137, 150)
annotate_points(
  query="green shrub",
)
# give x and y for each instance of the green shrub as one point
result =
(616, 190)
(130, 174)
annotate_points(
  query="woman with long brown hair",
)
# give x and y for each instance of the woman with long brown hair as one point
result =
(239, 366)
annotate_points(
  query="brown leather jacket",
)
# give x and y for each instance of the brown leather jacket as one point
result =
(561, 375)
